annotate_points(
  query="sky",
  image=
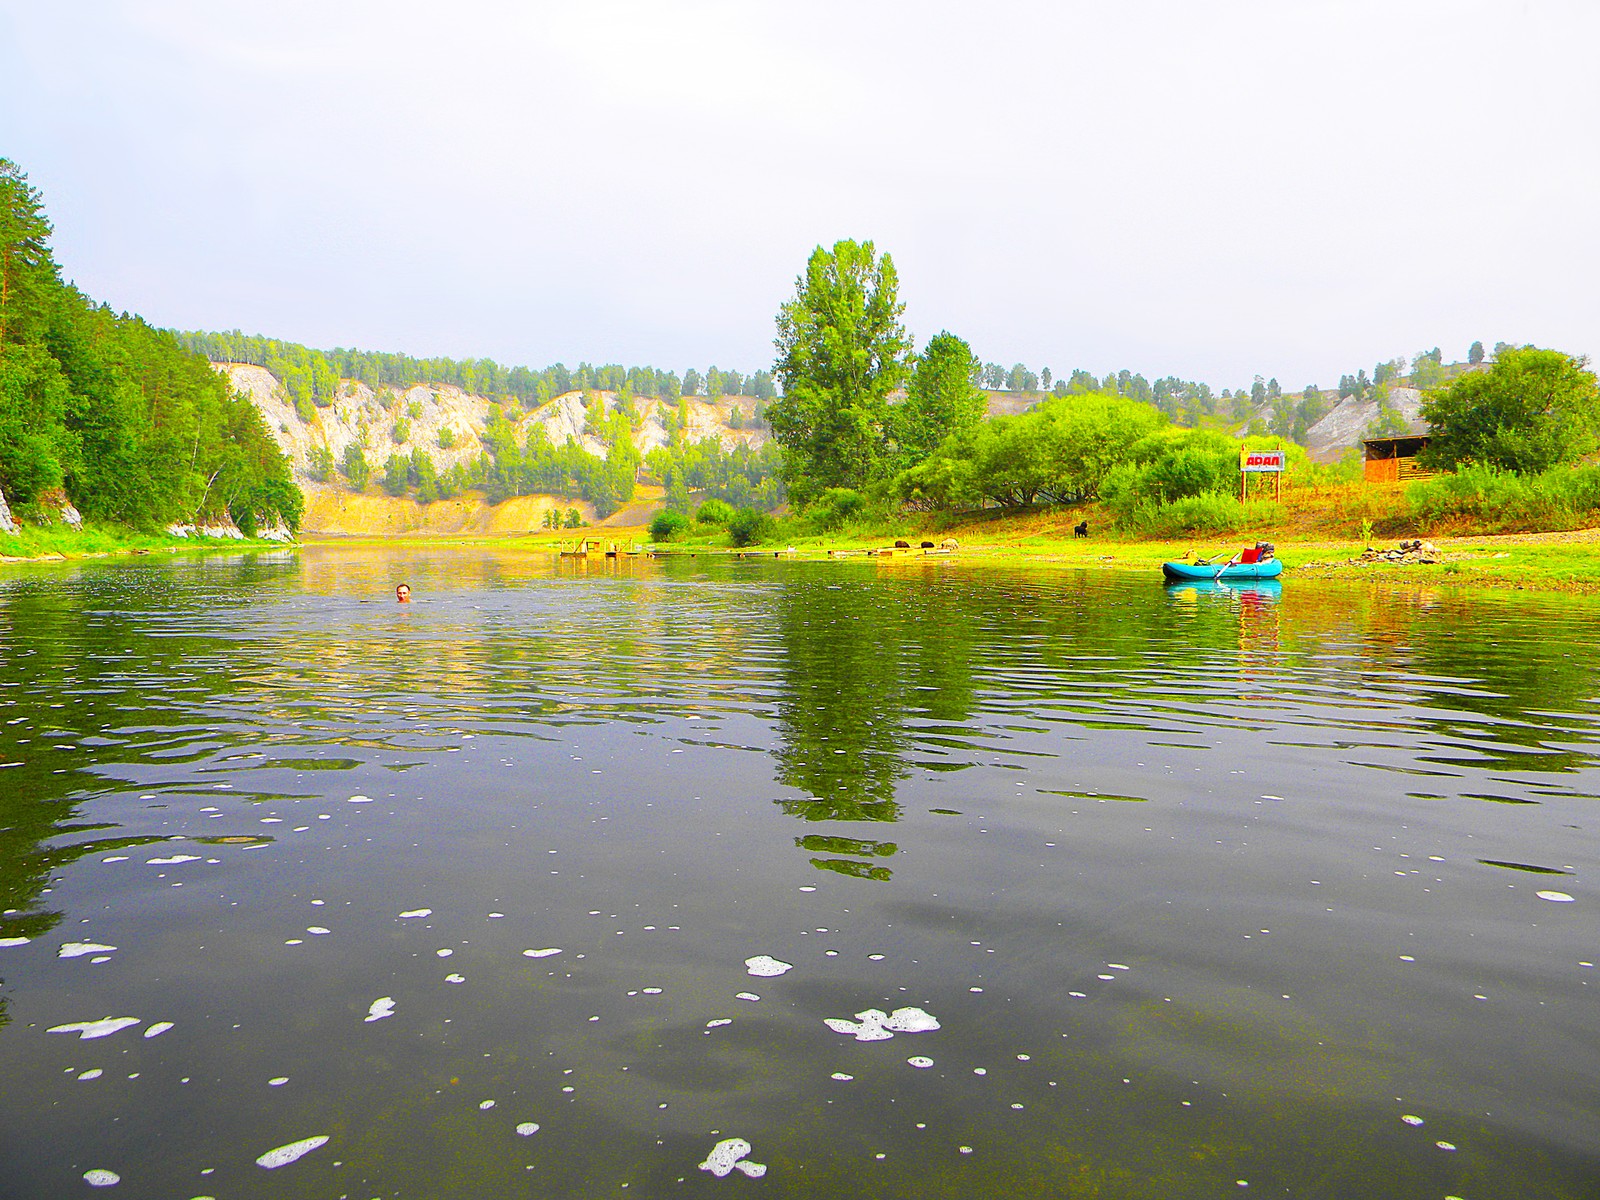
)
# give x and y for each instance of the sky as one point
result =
(1212, 189)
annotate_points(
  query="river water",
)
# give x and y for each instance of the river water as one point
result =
(1278, 891)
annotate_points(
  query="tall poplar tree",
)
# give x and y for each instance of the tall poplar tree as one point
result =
(841, 350)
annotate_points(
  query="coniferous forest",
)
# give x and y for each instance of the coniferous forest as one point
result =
(103, 411)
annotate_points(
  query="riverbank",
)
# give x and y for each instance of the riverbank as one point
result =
(1563, 562)
(57, 543)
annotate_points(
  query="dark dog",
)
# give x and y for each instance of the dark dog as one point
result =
(1081, 529)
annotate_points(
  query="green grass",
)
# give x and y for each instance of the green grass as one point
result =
(46, 542)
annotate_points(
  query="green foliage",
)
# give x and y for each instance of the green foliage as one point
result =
(841, 350)
(1475, 354)
(835, 508)
(1173, 466)
(1496, 501)
(395, 470)
(1063, 450)
(750, 526)
(574, 519)
(319, 463)
(1210, 513)
(1530, 411)
(941, 399)
(447, 438)
(667, 525)
(401, 432)
(356, 468)
(132, 426)
(715, 512)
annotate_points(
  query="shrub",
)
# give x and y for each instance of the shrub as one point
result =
(447, 438)
(715, 512)
(750, 526)
(401, 432)
(834, 507)
(1212, 512)
(1500, 501)
(667, 525)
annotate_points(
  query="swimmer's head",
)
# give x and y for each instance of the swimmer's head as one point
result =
(403, 593)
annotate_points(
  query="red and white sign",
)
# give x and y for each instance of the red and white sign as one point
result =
(1262, 460)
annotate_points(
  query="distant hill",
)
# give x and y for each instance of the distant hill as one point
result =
(363, 416)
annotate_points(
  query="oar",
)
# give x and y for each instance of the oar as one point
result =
(1218, 576)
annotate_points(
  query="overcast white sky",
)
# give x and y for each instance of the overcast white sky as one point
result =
(1207, 188)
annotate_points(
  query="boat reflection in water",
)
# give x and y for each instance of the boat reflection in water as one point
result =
(1192, 591)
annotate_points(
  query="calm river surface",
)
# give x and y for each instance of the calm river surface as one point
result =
(1208, 893)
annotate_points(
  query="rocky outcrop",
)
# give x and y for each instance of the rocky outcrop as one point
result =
(394, 420)
(7, 524)
(1347, 423)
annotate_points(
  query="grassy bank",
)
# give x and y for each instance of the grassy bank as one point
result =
(1562, 561)
(55, 543)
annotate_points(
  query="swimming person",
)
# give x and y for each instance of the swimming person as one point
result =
(402, 594)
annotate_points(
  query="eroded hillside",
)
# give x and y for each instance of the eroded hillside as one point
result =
(404, 420)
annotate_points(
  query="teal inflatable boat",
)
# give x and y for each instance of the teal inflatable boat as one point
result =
(1258, 562)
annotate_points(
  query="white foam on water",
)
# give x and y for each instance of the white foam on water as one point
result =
(545, 953)
(317, 929)
(485, 1105)
(79, 949)
(842, 1077)
(454, 978)
(719, 1022)
(1411, 1120)
(158, 1029)
(875, 1025)
(101, 1178)
(765, 966)
(1558, 897)
(445, 953)
(726, 1155)
(176, 858)
(808, 888)
(104, 1027)
(911, 1020)
(1124, 967)
(874, 958)
(14, 941)
(496, 916)
(1445, 1145)
(920, 1061)
(284, 1155)
(527, 1129)
(360, 799)
(416, 912)
(869, 1027)
(747, 996)
(278, 1082)
(382, 1007)
(651, 991)
(92, 1073)
(964, 1149)
(115, 858)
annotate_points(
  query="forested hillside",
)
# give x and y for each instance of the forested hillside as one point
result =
(434, 441)
(105, 412)
(312, 379)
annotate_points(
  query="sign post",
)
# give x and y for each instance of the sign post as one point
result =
(1259, 462)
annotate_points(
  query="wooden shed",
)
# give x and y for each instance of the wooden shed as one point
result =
(1393, 459)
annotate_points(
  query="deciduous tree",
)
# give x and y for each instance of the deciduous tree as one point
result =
(841, 350)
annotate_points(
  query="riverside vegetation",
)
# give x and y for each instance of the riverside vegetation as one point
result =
(102, 415)
(853, 435)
